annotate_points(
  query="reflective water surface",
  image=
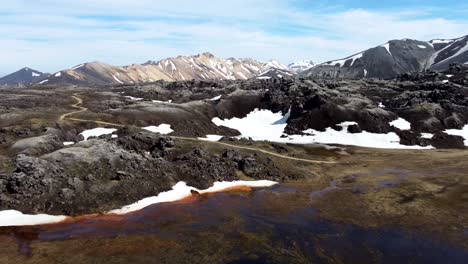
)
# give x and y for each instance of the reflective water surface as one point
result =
(274, 225)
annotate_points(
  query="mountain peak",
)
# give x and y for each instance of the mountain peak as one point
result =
(207, 54)
(23, 76)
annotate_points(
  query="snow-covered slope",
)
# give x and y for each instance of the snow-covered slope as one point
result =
(203, 66)
(455, 51)
(385, 61)
(23, 77)
(395, 57)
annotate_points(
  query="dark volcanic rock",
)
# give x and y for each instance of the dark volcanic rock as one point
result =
(354, 129)
(104, 174)
(146, 141)
(442, 140)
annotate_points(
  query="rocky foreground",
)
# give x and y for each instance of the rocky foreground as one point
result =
(39, 174)
(104, 173)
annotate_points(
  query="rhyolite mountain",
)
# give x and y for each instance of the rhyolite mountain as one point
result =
(24, 76)
(394, 58)
(204, 66)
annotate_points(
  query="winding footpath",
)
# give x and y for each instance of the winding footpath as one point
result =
(82, 109)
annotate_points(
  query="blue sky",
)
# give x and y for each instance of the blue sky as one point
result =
(50, 35)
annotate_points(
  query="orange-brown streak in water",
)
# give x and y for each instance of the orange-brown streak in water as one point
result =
(109, 218)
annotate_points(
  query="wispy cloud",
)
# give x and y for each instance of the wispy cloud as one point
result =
(50, 35)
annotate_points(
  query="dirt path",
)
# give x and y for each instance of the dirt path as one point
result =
(79, 101)
(77, 106)
(257, 150)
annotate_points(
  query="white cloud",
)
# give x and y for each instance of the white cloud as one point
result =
(121, 32)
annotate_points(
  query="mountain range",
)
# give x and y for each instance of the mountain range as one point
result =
(386, 61)
(203, 66)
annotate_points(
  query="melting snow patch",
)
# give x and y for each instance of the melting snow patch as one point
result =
(401, 124)
(58, 74)
(217, 98)
(449, 75)
(459, 132)
(162, 102)
(35, 74)
(381, 105)
(68, 143)
(133, 98)
(117, 80)
(15, 218)
(44, 81)
(263, 78)
(96, 132)
(265, 125)
(161, 129)
(445, 81)
(181, 190)
(259, 125)
(427, 135)
(212, 138)
(422, 46)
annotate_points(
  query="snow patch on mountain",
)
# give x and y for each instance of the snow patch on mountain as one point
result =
(117, 80)
(387, 47)
(441, 41)
(301, 66)
(342, 62)
(77, 66)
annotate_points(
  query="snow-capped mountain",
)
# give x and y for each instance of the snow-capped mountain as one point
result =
(23, 77)
(395, 57)
(300, 66)
(203, 66)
